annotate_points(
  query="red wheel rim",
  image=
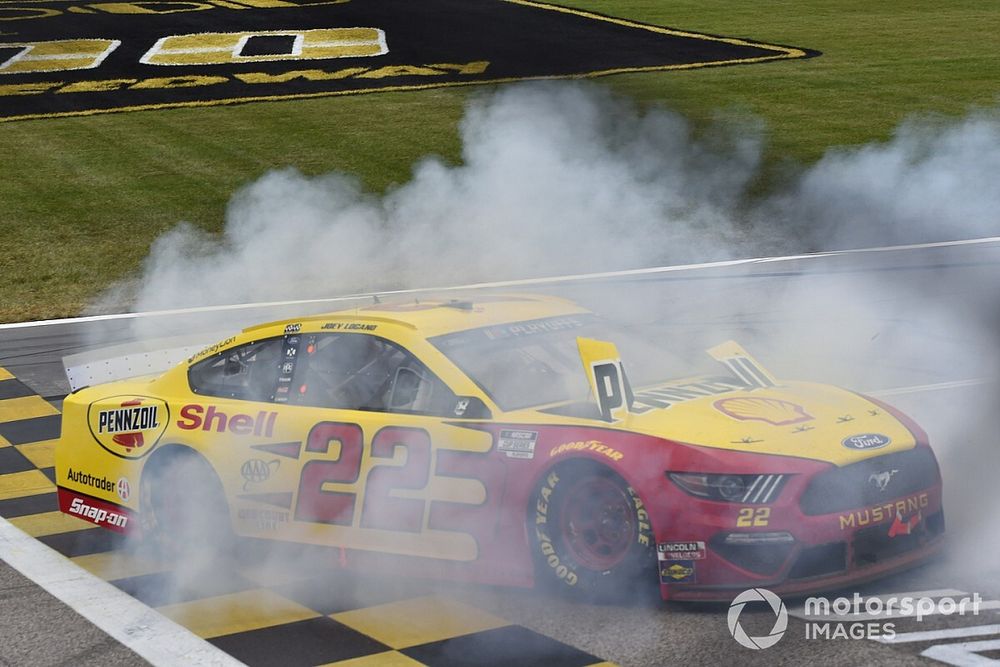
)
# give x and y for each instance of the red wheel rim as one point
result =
(598, 523)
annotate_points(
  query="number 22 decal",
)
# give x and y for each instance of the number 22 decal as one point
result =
(753, 516)
(379, 508)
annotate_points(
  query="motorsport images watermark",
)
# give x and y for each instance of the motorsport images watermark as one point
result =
(73, 57)
(857, 617)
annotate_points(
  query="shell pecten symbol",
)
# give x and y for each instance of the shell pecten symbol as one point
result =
(774, 411)
(780, 620)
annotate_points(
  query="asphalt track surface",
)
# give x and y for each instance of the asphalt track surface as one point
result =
(916, 327)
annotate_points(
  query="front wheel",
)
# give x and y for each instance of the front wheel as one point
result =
(590, 533)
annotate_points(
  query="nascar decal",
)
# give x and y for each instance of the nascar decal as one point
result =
(517, 444)
(128, 426)
(60, 57)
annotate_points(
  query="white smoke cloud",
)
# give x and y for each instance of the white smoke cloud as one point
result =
(565, 178)
(934, 180)
(554, 179)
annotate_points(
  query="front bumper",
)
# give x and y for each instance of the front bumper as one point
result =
(851, 567)
(798, 553)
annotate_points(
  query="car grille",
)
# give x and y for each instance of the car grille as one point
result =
(858, 484)
(764, 559)
(819, 560)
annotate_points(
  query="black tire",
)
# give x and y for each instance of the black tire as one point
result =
(590, 534)
(183, 507)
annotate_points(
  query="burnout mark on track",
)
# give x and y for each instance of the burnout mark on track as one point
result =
(64, 57)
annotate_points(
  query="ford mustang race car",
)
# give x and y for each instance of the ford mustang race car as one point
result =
(501, 441)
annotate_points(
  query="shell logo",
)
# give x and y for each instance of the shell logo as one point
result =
(774, 411)
(128, 426)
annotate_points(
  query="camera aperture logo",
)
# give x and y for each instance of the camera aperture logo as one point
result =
(780, 620)
(858, 617)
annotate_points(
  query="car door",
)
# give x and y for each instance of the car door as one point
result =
(368, 453)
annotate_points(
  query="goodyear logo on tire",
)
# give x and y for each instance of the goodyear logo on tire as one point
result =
(64, 57)
(128, 426)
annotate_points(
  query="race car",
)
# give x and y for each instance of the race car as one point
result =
(508, 439)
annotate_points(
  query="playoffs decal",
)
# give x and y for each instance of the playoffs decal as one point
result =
(63, 57)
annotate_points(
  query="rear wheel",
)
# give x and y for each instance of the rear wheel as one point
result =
(591, 533)
(183, 507)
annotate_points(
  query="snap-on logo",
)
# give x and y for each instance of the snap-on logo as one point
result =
(128, 426)
(98, 515)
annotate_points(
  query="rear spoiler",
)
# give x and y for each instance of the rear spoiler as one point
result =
(120, 362)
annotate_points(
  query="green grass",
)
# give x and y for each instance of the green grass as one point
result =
(82, 198)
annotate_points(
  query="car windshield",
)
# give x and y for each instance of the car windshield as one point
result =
(537, 362)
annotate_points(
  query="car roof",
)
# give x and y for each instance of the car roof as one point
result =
(434, 317)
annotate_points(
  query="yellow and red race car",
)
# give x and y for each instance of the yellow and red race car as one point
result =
(500, 441)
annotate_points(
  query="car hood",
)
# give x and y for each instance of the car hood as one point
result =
(806, 420)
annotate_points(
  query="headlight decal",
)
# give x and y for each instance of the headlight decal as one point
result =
(763, 488)
(745, 489)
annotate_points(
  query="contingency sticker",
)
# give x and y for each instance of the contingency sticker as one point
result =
(517, 444)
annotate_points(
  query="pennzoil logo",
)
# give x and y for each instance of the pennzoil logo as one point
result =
(128, 426)
(774, 411)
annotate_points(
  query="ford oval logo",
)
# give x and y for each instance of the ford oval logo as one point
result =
(866, 441)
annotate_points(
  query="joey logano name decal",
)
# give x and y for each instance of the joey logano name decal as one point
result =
(65, 57)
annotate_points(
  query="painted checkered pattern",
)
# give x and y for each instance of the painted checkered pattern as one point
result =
(264, 611)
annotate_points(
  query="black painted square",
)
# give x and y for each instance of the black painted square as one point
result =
(311, 642)
(13, 388)
(84, 542)
(31, 430)
(268, 45)
(12, 460)
(162, 588)
(511, 645)
(37, 504)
